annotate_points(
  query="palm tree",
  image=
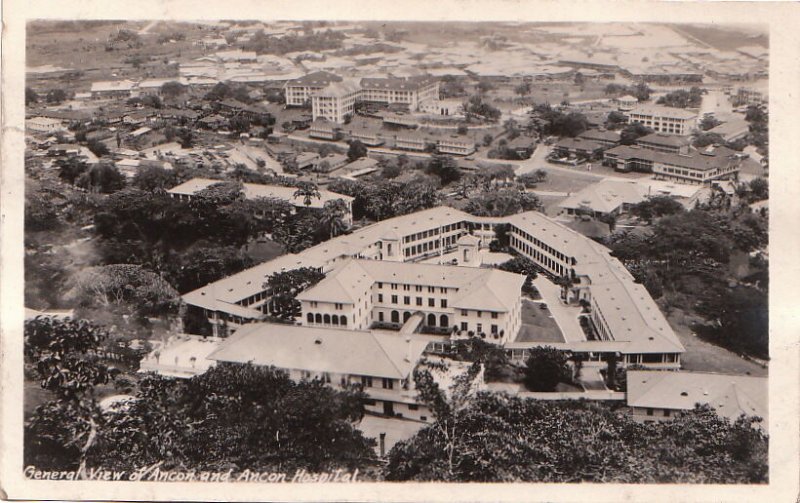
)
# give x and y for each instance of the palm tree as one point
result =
(333, 213)
(307, 191)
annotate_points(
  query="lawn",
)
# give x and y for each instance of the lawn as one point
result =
(263, 251)
(558, 181)
(702, 356)
(537, 324)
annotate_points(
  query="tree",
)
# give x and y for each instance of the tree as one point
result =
(706, 139)
(357, 150)
(333, 216)
(633, 132)
(508, 438)
(98, 148)
(523, 89)
(484, 86)
(682, 98)
(284, 288)
(62, 353)
(579, 79)
(445, 167)
(56, 96)
(520, 265)
(130, 288)
(151, 178)
(238, 417)
(203, 264)
(656, 207)
(307, 191)
(104, 178)
(615, 120)
(503, 202)
(759, 189)
(31, 97)
(172, 89)
(709, 122)
(71, 169)
(642, 92)
(545, 368)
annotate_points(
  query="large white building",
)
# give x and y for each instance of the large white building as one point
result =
(299, 91)
(627, 320)
(336, 101)
(333, 97)
(438, 298)
(664, 119)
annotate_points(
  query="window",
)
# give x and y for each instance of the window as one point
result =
(442, 290)
(464, 312)
(423, 418)
(413, 406)
(394, 299)
(380, 285)
(419, 301)
(418, 288)
(479, 329)
(649, 412)
(444, 302)
(338, 307)
(479, 314)
(394, 286)
(494, 316)
(406, 287)
(431, 302)
(388, 383)
(494, 329)
(366, 381)
(431, 289)
(310, 318)
(406, 300)
(666, 413)
(380, 297)
(463, 325)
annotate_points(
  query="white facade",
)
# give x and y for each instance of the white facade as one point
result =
(664, 119)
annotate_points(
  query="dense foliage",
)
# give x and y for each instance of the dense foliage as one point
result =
(500, 438)
(545, 368)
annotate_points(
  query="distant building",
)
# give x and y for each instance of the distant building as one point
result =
(182, 355)
(732, 130)
(696, 167)
(187, 190)
(626, 103)
(749, 96)
(410, 91)
(577, 148)
(664, 119)
(299, 91)
(607, 197)
(112, 89)
(456, 145)
(335, 102)
(329, 163)
(44, 125)
(661, 396)
(669, 144)
(604, 137)
(324, 130)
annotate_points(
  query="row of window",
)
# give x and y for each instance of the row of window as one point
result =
(479, 328)
(430, 320)
(544, 246)
(407, 288)
(417, 301)
(327, 319)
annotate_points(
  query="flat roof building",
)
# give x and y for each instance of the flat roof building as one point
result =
(664, 119)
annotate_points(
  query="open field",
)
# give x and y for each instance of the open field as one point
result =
(702, 356)
(538, 325)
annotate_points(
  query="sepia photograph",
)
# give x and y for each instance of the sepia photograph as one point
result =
(336, 251)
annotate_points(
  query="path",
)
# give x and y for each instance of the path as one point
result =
(566, 317)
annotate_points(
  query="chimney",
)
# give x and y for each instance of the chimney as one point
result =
(408, 349)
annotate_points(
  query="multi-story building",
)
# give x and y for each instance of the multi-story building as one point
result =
(299, 91)
(454, 144)
(664, 119)
(695, 167)
(437, 298)
(408, 91)
(335, 102)
(44, 125)
(669, 144)
(626, 319)
(113, 89)
(604, 137)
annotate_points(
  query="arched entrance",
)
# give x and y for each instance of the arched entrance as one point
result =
(395, 317)
(431, 320)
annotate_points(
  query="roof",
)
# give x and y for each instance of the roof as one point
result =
(483, 289)
(606, 195)
(397, 84)
(578, 143)
(668, 140)
(351, 352)
(113, 85)
(731, 128)
(256, 190)
(315, 79)
(712, 157)
(362, 163)
(730, 395)
(662, 111)
(338, 89)
(600, 134)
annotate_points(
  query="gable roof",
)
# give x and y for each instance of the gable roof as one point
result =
(606, 196)
(351, 352)
(730, 395)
